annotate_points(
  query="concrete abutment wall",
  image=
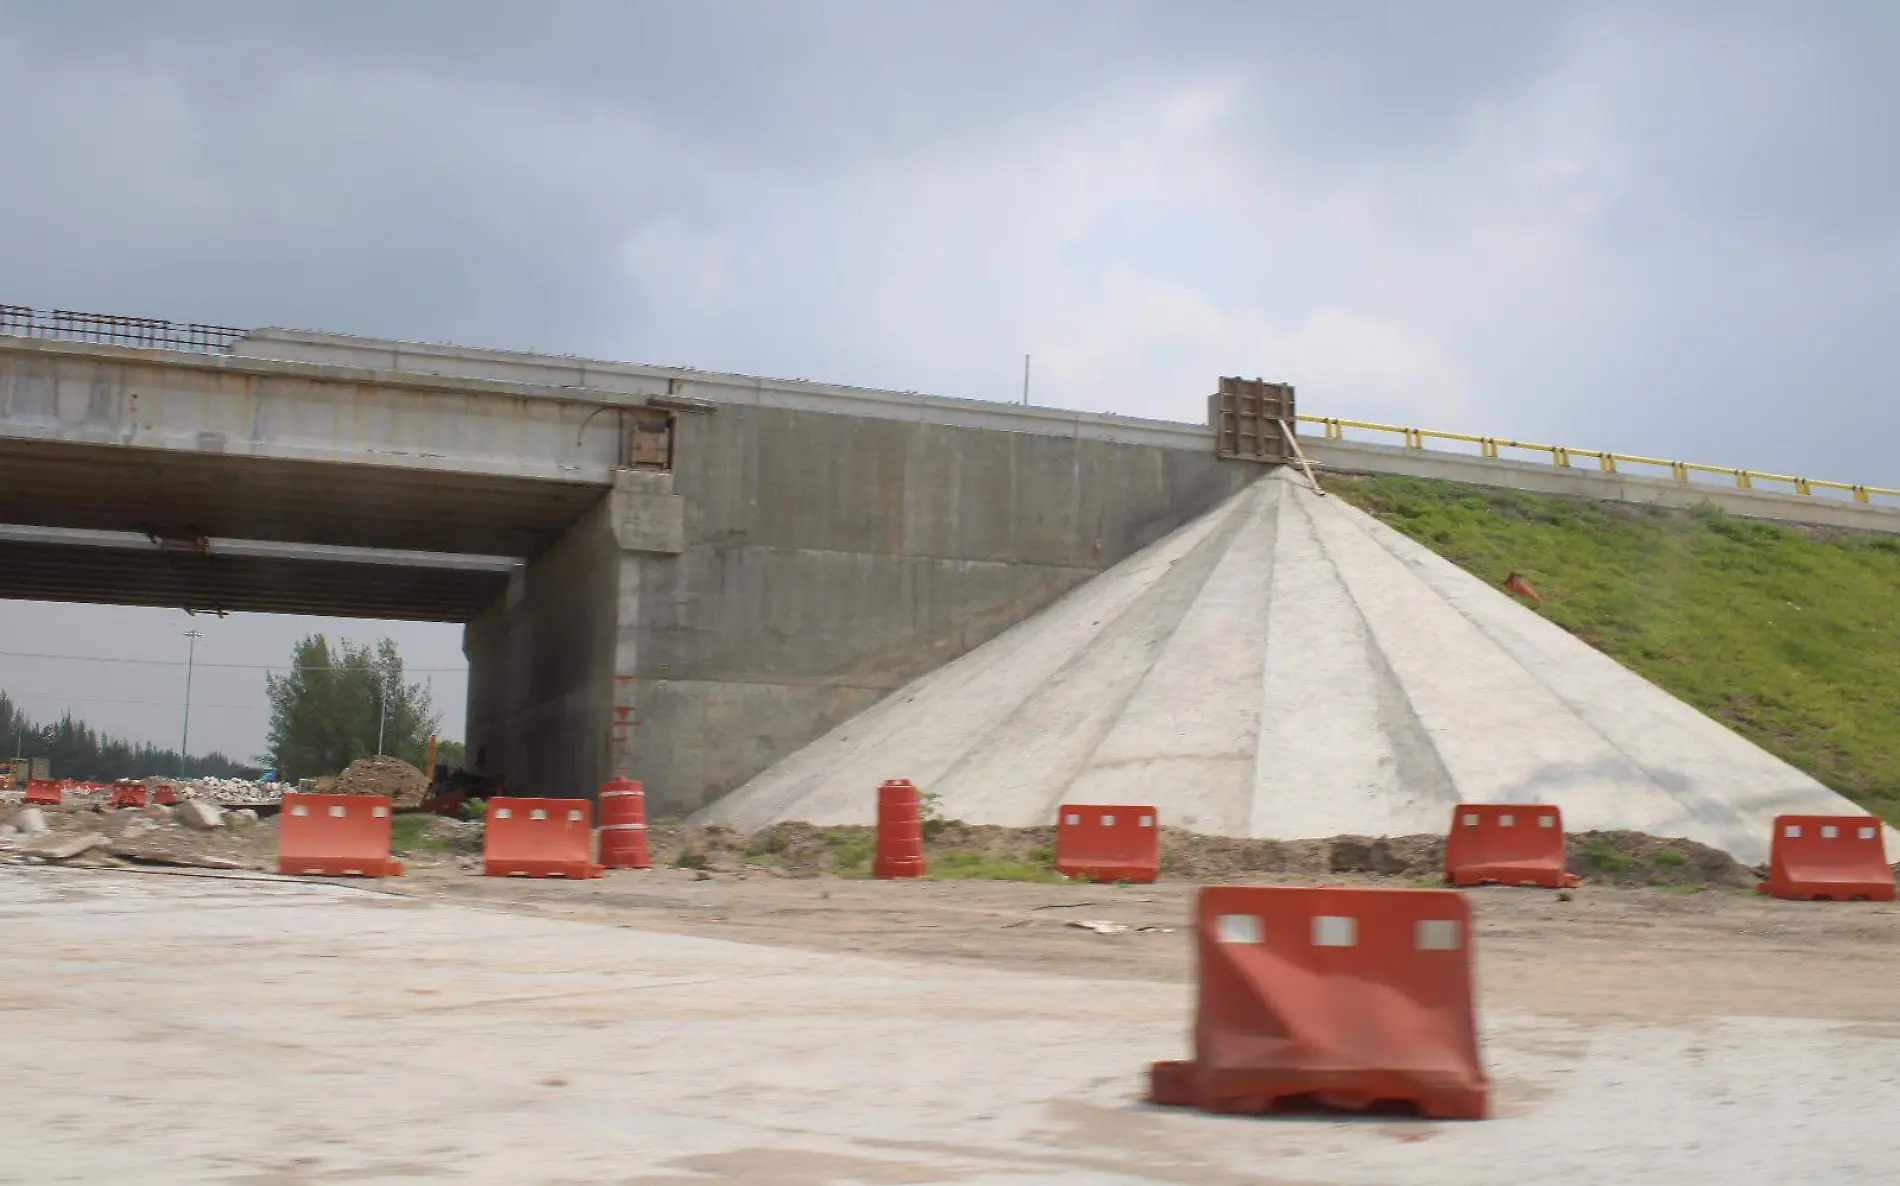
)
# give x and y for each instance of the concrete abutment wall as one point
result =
(795, 568)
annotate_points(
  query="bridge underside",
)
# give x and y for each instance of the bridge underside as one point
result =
(36, 571)
(183, 495)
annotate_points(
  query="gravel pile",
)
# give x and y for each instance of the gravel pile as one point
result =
(223, 790)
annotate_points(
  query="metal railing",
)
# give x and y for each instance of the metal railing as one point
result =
(1562, 456)
(148, 332)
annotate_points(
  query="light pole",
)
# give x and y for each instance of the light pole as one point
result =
(191, 658)
(382, 708)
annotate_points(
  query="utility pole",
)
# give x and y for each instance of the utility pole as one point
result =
(1025, 380)
(382, 708)
(191, 659)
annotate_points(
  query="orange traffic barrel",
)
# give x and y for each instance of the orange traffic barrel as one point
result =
(623, 825)
(900, 831)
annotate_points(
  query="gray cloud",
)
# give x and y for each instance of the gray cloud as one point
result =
(1664, 229)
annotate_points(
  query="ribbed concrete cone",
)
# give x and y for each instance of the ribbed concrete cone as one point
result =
(1286, 666)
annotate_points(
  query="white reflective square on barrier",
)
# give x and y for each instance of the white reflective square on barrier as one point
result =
(1335, 930)
(1436, 934)
(537, 813)
(1238, 928)
(1829, 831)
(338, 811)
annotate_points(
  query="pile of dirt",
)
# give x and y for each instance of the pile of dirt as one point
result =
(1637, 858)
(382, 775)
(804, 850)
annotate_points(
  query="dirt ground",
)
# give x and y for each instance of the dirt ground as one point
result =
(1606, 953)
(1702, 945)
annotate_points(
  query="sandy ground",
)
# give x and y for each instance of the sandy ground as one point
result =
(1606, 953)
(671, 1029)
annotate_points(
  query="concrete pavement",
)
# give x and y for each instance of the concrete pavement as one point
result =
(168, 1030)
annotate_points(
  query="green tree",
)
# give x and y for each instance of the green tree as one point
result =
(452, 754)
(329, 708)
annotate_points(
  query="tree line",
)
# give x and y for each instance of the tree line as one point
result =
(333, 705)
(74, 749)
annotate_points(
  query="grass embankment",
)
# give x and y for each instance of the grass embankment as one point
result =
(1788, 635)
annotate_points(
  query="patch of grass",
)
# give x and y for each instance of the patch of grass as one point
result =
(851, 851)
(1787, 635)
(1670, 858)
(411, 832)
(1682, 889)
(690, 858)
(1604, 859)
(971, 866)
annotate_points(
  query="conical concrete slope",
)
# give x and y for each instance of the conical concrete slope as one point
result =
(1286, 666)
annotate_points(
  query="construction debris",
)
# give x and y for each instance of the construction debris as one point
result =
(194, 813)
(66, 850)
(403, 784)
(223, 790)
(29, 821)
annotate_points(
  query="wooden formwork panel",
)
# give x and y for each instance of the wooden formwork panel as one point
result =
(1250, 418)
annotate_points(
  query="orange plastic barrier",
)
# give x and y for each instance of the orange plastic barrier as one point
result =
(43, 791)
(126, 793)
(162, 793)
(1342, 998)
(1828, 857)
(539, 838)
(623, 825)
(1509, 843)
(900, 831)
(336, 836)
(1105, 843)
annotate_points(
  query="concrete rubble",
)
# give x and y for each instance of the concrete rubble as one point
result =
(194, 813)
(192, 834)
(223, 790)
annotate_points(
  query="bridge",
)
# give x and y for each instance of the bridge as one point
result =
(676, 575)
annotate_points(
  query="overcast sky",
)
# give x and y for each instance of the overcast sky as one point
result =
(1657, 227)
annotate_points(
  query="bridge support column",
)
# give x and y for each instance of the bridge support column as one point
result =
(551, 662)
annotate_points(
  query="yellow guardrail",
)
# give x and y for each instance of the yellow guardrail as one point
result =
(1562, 455)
